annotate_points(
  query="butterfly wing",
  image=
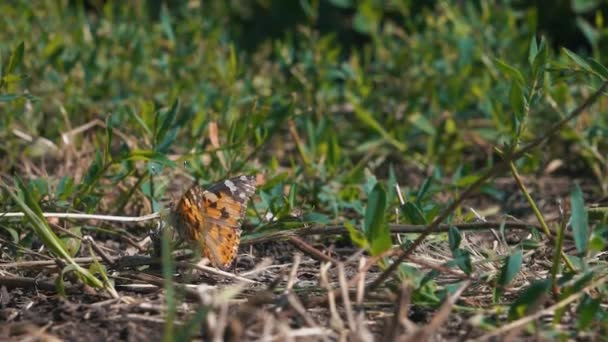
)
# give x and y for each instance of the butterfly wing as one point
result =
(215, 224)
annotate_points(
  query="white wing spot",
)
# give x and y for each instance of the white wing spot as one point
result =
(230, 186)
(243, 195)
(211, 196)
(244, 178)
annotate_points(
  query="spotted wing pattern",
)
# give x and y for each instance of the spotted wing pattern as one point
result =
(211, 218)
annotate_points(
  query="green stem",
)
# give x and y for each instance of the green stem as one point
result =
(537, 213)
(559, 242)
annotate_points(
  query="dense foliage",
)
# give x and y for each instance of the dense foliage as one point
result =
(108, 107)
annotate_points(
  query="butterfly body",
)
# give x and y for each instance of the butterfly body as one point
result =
(210, 218)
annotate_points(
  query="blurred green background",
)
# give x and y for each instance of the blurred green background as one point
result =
(321, 94)
(115, 107)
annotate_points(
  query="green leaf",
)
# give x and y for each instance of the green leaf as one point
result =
(533, 50)
(317, 218)
(16, 58)
(508, 272)
(94, 171)
(33, 214)
(168, 140)
(292, 197)
(423, 123)
(518, 101)
(598, 68)
(164, 120)
(59, 283)
(538, 66)
(150, 155)
(579, 284)
(589, 65)
(366, 18)
(376, 229)
(530, 244)
(139, 120)
(309, 8)
(109, 134)
(462, 259)
(454, 238)
(14, 234)
(589, 32)
(8, 97)
(580, 7)
(413, 214)
(588, 310)
(356, 236)
(344, 4)
(597, 244)
(466, 180)
(38, 188)
(424, 188)
(165, 21)
(370, 183)
(97, 268)
(71, 243)
(580, 227)
(510, 71)
(580, 61)
(233, 63)
(392, 182)
(529, 298)
(368, 119)
(511, 268)
(334, 152)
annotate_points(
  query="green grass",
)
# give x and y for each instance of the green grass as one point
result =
(430, 101)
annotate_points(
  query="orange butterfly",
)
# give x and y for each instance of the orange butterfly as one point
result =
(211, 218)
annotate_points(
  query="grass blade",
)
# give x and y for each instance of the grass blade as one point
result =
(376, 229)
(580, 226)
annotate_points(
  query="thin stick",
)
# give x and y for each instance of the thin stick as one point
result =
(216, 271)
(25, 282)
(338, 229)
(439, 268)
(159, 282)
(220, 326)
(350, 316)
(362, 330)
(296, 304)
(129, 261)
(400, 320)
(361, 286)
(105, 256)
(335, 320)
(77, 216)
(310, 250)
(337, 293)
(294, 272)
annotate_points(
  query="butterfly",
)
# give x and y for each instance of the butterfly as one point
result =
(211, 218)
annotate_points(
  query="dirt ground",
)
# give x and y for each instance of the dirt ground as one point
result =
(35, 312)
